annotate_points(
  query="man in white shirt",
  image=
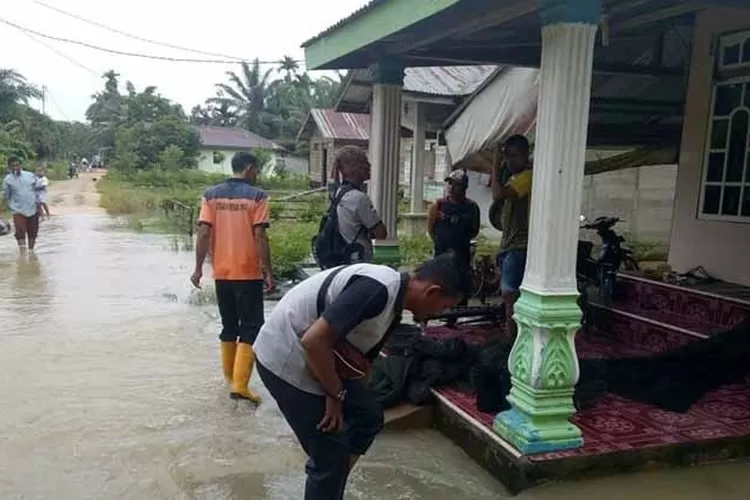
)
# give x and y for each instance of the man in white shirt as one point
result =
(334, 416)
(20, 196)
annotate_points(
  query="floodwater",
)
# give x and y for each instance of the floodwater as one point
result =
(111, 389)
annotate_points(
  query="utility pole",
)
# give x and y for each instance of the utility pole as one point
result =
(44, 99)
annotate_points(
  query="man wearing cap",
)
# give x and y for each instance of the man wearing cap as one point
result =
(453, 221)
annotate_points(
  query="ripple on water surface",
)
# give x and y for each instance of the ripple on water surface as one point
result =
(111, 389)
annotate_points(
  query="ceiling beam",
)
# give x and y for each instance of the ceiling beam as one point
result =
(656, 16)
(531, 59)
(632, 133)
(360, 83)
(481, 20)
(428, 98)
(639, 106)
(621, 7)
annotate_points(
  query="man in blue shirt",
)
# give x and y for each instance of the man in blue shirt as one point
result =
(19, 195)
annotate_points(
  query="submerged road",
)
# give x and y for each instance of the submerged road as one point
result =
(111, 389)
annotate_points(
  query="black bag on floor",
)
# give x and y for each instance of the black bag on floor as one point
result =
(490, 376)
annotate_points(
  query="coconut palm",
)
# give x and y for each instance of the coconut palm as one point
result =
(14, 90)
(289, 67)
(247, 94)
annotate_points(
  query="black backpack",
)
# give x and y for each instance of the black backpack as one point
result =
(329, 248)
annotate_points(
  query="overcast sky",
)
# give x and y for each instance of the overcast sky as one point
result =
(267, 29)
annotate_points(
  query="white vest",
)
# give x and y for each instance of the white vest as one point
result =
(278, 346)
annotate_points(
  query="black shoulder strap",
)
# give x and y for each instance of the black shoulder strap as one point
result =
(342, 192)
(398, 309)
(345, 188)
(323, 290)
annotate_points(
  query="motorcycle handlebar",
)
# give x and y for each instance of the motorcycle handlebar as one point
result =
(602, 223)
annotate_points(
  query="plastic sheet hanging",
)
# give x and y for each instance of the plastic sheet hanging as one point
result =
(506, 106)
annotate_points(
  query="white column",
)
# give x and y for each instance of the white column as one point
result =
(417, 160)
(385, 136)
(559, 157)
(543, 362)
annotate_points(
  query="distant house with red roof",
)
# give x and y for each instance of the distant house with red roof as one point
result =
(328, 130)
(436, 92)
(219, 145)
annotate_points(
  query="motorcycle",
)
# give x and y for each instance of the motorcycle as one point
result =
(614, 257)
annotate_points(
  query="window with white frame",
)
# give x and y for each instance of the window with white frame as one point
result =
(725, 193)
(734, 50)
(726, 187)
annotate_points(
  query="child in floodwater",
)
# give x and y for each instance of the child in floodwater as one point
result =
(40, 189)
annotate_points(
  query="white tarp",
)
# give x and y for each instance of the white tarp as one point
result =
(505, 107)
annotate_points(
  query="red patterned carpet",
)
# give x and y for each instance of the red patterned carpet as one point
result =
(617, 424)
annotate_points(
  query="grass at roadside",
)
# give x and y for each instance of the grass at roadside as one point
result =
(140, 197)
(57, 171)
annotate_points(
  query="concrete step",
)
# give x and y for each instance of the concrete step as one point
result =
(408, 417)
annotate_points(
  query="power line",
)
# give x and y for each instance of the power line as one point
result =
(69, 59)
(59, 110)
(123, 53)
(130, 35)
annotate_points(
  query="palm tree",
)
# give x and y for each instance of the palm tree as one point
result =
(325, 92)
(289, 67)
(218, 114)
(13, 141)
(14, 90)
(107, 110)
(246, 94)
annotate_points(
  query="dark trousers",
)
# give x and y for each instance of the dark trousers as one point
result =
(329, 455)
(26, 227)
(241, 309)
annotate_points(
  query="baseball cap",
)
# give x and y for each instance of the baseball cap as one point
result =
(458, 176)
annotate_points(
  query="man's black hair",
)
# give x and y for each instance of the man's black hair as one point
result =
(520, 142)
(242, 160)
(444, 272)
(13, 159)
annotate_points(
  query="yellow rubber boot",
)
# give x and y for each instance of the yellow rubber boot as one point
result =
(228, 353)
(243, 367)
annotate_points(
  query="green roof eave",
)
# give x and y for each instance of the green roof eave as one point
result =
(384, 18)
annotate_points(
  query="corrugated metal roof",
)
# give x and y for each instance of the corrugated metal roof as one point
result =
(336, 125)
(435, 80)
(446, 80)
(233, 138)
(353, 15)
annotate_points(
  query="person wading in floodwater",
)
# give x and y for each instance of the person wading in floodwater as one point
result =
(20, 196)
(233, 220)
(314, 353)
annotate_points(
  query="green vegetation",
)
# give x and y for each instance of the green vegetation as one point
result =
(29, 134)
(140, 196)
(417, 249)
(644, 251)
(261, 102)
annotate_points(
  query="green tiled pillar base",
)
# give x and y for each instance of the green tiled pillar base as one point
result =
(544, 371)
(386, 252)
